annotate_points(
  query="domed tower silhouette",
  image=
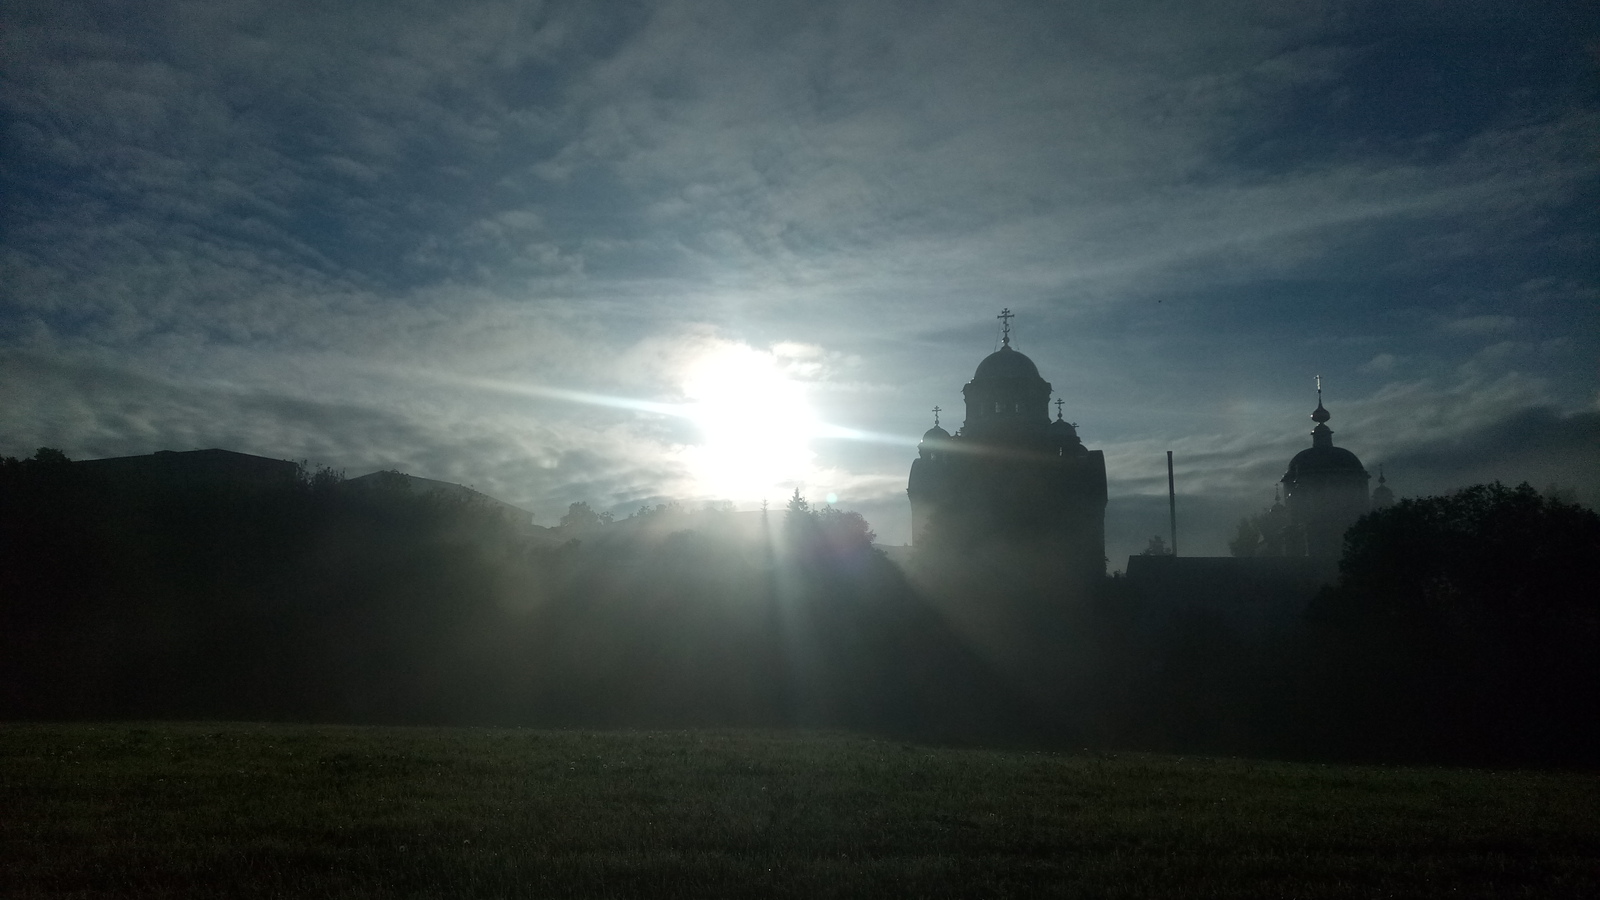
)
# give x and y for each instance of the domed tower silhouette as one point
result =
(1010, 474)
(1382, 496)
(1325, 489)
(1007, 401)
(927, 472)
(1062, 436)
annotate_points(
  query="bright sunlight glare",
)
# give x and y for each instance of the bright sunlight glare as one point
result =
(756, 424)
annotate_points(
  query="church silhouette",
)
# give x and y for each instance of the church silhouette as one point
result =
(1010, 474)
(1326, 491)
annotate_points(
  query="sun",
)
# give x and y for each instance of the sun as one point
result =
(755, 423)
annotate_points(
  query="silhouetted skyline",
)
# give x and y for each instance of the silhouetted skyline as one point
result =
(612, 252)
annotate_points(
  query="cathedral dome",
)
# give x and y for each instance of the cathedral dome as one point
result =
(1322, 457)
(1323, 461)
(935, 434)
(1006, 363)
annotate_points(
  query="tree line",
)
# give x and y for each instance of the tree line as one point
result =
(1462, 629)
(327, 600)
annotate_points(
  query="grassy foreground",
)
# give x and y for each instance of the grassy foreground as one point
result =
(268, 810)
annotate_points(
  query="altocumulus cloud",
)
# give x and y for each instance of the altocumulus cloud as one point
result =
(331, 231)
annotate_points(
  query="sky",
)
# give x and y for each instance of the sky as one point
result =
(631, 252)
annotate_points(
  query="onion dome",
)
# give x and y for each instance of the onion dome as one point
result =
(1322, 457)
(935, 434)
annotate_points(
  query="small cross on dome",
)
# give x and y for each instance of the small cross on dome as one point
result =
(1006, 315)
(1320, 414)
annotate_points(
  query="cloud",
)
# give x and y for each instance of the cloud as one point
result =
(350, 226)
(1382, 364)
(1540, 445)
(91, 410)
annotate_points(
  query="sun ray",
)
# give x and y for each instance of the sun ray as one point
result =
(757, 426)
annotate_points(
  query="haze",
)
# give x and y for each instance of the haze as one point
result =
(630, 252)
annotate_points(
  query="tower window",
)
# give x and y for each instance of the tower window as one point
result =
(997, 406)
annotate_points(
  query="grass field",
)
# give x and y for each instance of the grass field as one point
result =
(269, 810)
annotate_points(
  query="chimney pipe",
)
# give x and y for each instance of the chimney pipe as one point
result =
(1172, 504)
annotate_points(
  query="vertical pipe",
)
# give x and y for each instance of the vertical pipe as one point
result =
(1172, 504)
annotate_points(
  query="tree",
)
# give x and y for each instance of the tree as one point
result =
(1508, 554)
(50, 456)
(1245, 539)
(1156, 547)
(646, 511)
(797, 508)
(845, 529)
(1467, 628)
(1267, 533)
(580, 517)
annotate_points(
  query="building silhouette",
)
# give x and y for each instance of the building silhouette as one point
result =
(415, 484)
(170, 468)
(1291, 552)
(1010, 474)
(1325, 490)
(166, 470)
(1382, 496)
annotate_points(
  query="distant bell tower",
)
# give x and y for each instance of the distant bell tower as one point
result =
(1382, 495)
(1325, 489)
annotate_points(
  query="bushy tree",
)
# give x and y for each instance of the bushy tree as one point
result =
(1488, 554)
(828, 531)
(1156, 547)
(1468, 627)
(580, 517)
(1267, 533)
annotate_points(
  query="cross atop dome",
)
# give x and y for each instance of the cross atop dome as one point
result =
(1059, 402)
(936, 411)
(1320, 415)
(1006, 315)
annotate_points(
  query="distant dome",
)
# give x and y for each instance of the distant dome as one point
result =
(936, 434)
(1382, 496)
(1062, 430)
(1323, 460)
(1006, 363)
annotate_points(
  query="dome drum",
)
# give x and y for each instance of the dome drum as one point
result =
(1006, 399)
